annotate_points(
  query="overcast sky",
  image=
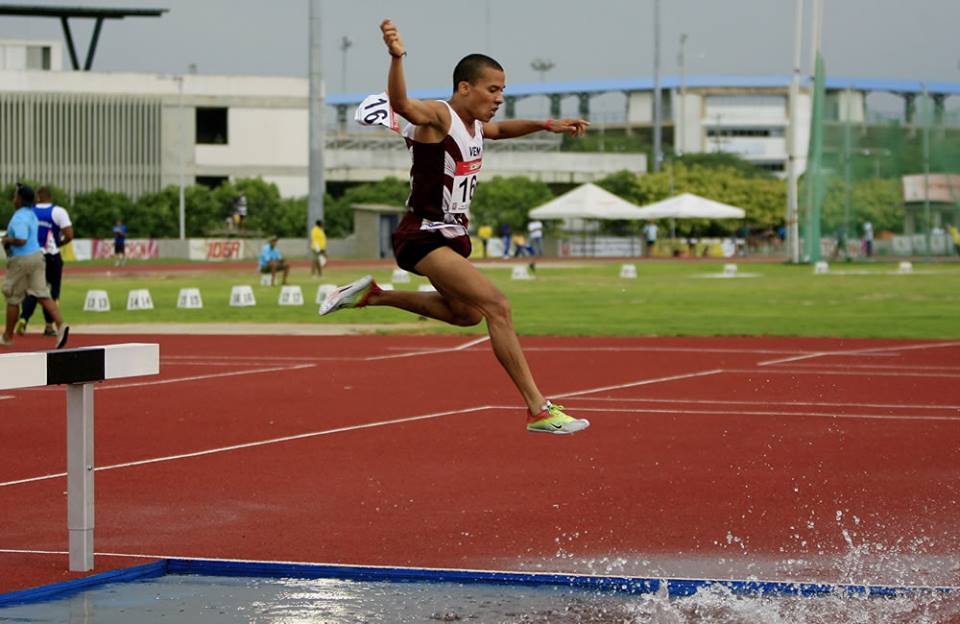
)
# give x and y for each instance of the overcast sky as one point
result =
(914, 39)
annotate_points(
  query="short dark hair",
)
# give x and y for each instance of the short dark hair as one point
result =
(471, 67)
(25, 193)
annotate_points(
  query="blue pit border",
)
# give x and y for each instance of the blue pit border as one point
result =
(675, 587)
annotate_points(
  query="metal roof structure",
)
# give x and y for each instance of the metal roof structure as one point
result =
(595, 87)
(65, 13)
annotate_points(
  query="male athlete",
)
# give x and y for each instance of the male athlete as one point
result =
(445, 140)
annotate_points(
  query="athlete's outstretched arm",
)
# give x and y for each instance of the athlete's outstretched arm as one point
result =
(511, 128)
(417, 112)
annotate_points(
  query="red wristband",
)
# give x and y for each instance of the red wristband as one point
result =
(548, 125)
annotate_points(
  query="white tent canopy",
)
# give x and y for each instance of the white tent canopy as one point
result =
(588, 201)
(690, 206)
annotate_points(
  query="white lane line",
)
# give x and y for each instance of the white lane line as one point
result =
(642, 382)
(776, 402)
(396, 356)
(865, 351)
(257, 359)
(4, 397)
(779, 371)
(905, 367)
(762, 413)
(234, 447)
(160, 382)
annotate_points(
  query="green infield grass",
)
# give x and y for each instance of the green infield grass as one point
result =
(573, 299)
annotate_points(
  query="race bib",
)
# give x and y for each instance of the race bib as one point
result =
(375, 111)
(464, 185)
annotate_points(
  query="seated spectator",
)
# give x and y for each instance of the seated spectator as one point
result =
(272, 262)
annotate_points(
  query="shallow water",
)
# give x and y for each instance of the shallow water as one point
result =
(187, 598)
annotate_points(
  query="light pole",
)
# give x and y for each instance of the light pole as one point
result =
(657, 121)
(680, 125)
(180, 158)
(345, 44)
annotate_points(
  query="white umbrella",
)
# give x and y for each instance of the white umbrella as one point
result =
(690, 206)
(588, 201)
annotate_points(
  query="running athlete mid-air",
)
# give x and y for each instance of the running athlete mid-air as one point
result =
(445, 140)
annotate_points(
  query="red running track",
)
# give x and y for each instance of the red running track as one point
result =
(804, 459)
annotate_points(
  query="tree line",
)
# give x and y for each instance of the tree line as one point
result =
(721, 177)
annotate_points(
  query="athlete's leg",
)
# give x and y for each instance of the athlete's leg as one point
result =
(464, 287)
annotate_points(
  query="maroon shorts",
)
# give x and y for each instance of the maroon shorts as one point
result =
(411, 244)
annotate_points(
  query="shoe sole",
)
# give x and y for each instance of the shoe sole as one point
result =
(62, 340)
(561, 431)
(333, 302)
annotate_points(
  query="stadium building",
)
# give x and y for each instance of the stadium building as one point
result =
(137, 133)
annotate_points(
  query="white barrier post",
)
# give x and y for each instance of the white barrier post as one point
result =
(139, 299)
(821, 268)
(520, 272)
(628, 271)
(400, 277)
(79, 369)
(242, 296)
(729, 270)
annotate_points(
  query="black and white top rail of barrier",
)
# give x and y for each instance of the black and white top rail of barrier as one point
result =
(79, 369)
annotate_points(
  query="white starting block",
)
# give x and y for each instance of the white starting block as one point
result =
(426, 288)
(520, 272)
(242, 296)
(821, 268)
(323, 290)
(266, 279)
(628, 271)
(400, 277)
(290, 296)
(79, 369)
(139, 299)
(905, 268)
(386, 286)
(729, 270)
(190, 298)
(96, 301)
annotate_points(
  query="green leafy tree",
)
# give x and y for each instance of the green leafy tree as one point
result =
(507, 200)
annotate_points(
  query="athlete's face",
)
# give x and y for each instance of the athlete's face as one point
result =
(485, 95)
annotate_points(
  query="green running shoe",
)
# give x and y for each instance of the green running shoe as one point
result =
(353, 295)
(21, 327)
(551, 419)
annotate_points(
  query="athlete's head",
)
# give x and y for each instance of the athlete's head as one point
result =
(43, 195)
(478, 82)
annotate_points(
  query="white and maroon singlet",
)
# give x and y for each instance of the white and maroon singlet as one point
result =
(443, 177)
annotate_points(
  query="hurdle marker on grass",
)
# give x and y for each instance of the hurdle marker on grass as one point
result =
(79, 369)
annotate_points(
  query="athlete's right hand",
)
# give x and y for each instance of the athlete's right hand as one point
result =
(391, 37)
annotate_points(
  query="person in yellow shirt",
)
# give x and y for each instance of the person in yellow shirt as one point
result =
(955, 235)
(485, 232)
(318, 245)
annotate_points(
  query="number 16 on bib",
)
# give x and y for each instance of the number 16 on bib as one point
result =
(464, 185)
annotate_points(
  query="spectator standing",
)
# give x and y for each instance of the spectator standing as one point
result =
(868, 239)
(485, 232)
(650, 236)
(120, 243)
(240, 210)
(25, 267)
(955, 237)
(318, 245)
(272, 262)
(535, 230)
(55, 230)
(505, 236)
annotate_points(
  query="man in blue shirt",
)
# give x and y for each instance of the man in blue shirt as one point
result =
(25, 267)
(271, 261)
(56, 230)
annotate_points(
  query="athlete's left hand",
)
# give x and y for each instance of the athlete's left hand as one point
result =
(573, 127)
